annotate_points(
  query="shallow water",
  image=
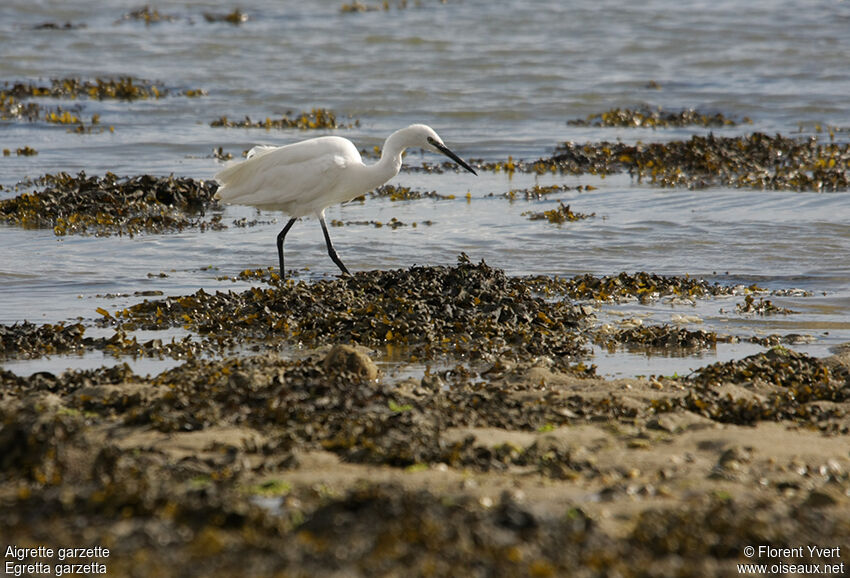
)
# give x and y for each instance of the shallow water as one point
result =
(494, 80)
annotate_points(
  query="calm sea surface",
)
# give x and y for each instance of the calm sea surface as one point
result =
(494, 79)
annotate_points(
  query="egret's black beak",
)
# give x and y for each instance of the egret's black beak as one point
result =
(448, 152)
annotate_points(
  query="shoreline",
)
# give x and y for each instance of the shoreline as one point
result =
(519, 463)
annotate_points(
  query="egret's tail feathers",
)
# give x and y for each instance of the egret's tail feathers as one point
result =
(230, 178)
(226, 179)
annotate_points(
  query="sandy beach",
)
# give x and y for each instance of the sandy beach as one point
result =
(263, 465)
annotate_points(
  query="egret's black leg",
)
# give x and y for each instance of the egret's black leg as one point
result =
(280, 237)
(331, 250)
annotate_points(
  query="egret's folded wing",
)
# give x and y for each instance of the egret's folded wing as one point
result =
(280, 180)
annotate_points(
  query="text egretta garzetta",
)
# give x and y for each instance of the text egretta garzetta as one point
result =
(306, 177)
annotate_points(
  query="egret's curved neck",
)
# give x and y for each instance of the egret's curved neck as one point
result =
(390, 163)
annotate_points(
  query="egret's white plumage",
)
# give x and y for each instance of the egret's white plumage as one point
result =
(306, 177)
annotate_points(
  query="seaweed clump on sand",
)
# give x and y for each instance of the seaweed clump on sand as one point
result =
(757, 161)
(645, 287)
(119, 88)
(358, 7)
(761, 307)
(561, 214)
(648, 117)
(466, 310)
(57, 26)
(25, 151)
(27, 340)
(110, 205)
(12, 107)
(317, 118)
(234, 17)
(539, 192)
(393, 223)
(779, 384)
(659, 338)
(16, 99)
(402, 193)
(336, 404)
(148, 15)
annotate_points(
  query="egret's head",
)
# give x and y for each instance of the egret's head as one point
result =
(425, 137)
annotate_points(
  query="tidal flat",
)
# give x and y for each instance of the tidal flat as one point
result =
(507, 455)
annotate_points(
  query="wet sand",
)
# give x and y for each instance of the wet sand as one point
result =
(514, 459)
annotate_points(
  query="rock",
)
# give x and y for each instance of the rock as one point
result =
(680, 422)
(732, 464)
(346, 358)
(820, 499)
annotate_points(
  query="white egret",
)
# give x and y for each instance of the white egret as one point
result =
(306, 177)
